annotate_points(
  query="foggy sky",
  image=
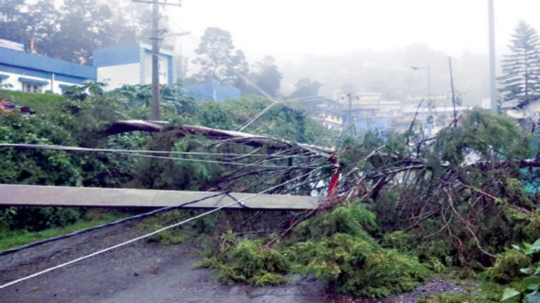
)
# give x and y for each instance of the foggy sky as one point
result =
(291, 28)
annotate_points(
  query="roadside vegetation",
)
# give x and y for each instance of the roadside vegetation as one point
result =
(461, 206)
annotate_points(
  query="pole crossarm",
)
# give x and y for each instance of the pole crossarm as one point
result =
(159, 3)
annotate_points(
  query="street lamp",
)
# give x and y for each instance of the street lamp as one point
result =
(428, 77)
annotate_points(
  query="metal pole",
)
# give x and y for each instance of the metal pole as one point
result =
(429, 81)
(349, 95)
(452, 87)
(492, 65)
(156, 115)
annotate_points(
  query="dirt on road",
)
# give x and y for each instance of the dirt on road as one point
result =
(145, 272)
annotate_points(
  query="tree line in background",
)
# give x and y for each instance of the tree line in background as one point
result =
(521, 69)
(70, 32)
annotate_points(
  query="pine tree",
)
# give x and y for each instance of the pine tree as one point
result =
(521, 69)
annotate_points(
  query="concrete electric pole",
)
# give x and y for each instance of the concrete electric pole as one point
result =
(492, 64)
(352, 126)
(156, 113)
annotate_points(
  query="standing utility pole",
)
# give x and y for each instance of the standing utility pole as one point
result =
(492, 65)
(452, 87)
(156, 113)
(352, 127)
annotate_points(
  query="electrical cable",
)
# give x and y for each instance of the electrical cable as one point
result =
(152, 233)
(105, 150)
(216, 162)
(110, 224)
(134, 153)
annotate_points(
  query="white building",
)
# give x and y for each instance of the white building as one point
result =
(31, 73)
(132, 65)
(117, 66)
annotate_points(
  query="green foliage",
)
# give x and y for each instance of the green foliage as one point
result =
(484, 134)
(242, 260)
(399, 240)
(87, 218)
(519, 80)
(333, 246)
(218, 58)
(517, 263)
(508, 265)
(167, 238)
(353, 219)
(359, 267)
(306, 88)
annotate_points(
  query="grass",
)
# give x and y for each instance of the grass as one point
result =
(41, 103)
(10, 239)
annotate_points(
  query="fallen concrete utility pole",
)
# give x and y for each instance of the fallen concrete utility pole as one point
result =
(33, 195)
(216, 134)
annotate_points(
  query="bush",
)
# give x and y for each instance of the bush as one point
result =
(399, 240)
(508, 265)
(40, 218)
(247, 261)
(334, 246)
(357, 266)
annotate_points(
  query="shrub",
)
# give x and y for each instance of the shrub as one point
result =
(242, 260)
(334, 246)
(356, 266)
(399, 240)
(508, 265)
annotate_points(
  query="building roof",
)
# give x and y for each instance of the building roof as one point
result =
(40, 63)
(411, 110)
(207, 91)
(121, 55)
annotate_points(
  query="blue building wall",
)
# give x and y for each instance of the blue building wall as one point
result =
(43, 67)
(205, 91)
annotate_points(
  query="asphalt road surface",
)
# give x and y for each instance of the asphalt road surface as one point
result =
(143, 272)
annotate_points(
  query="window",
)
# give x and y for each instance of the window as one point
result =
(31, 88)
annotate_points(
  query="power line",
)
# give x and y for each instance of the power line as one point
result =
(152, 233)
(247, 123)
(135, 151)
(110, 224)
(132, 153)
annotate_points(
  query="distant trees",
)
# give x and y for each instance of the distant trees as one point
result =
(521, 69)
(69, 33)
(267, 76)
(219, 59)
(305, 88)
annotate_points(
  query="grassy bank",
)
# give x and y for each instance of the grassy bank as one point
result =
(15, 238)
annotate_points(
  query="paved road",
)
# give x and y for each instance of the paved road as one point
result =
(143, 273)
(140, 272)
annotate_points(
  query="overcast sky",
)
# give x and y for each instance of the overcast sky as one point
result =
(289, 28)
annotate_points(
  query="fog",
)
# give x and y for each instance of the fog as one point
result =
(369, 43)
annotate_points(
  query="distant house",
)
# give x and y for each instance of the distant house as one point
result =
(213, 90)
(527, 113)
(32, 73)
(380, 124)
(117, 66)
(132, 65)
(324, 110)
